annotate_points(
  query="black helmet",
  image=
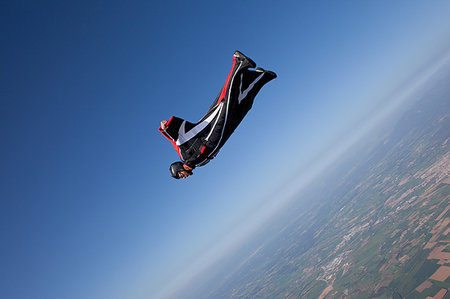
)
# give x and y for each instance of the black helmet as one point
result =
(175, 168)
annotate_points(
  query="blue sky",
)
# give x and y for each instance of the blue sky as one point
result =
(88, 209)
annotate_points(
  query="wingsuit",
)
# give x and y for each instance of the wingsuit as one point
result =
(198, 143)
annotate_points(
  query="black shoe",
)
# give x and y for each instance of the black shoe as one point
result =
(261, 70)
(242, 57)
(272, 74)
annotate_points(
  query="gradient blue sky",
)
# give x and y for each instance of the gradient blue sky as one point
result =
(88, 209)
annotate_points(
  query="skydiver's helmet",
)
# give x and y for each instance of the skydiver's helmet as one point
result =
(177, 167)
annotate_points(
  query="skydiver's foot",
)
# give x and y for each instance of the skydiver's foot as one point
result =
(241, 57)
(261, 70)
(272, 74)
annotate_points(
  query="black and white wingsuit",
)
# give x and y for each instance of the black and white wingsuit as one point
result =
(198, 143)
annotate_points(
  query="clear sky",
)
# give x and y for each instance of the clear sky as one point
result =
(88, 209)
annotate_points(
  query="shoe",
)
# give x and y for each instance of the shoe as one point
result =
(242, 57)
(272, 74)
(261, 70)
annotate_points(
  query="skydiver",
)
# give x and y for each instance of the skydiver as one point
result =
(198, 143)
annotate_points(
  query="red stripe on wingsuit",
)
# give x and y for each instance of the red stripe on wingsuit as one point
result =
(224, 89)
(168, 123)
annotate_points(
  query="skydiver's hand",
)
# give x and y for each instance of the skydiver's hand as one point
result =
(164, 124)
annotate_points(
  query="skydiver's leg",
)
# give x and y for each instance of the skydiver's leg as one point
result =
(240, 63)
(243, 90)
(251, 83)
(247, 77)
(237, 95)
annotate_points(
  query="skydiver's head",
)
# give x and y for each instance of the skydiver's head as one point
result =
(179, 170)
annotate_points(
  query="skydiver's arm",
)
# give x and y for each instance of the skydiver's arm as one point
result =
(166, 135)
(194, 161)
(163, 128)
(170, 128)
